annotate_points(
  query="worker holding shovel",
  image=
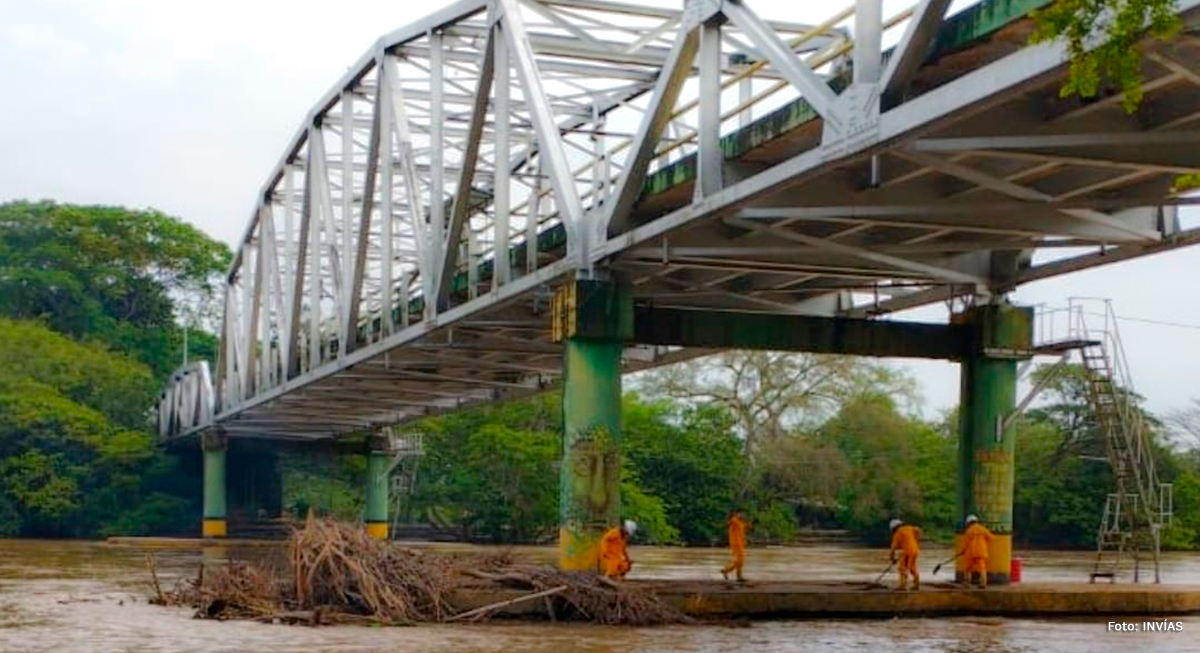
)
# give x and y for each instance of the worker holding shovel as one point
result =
(906, 539)
(976, 538)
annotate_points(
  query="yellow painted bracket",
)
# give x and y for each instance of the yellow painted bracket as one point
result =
(590, 308)
(563, 322)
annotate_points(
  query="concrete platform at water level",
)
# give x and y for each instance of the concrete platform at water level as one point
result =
(781, 600)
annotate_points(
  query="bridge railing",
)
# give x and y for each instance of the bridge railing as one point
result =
(187, 403)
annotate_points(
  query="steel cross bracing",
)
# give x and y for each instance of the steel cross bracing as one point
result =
(702, 155)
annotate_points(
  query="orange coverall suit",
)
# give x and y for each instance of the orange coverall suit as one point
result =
(975, 551)
(614, 556)
(737, 545)
(906, 539)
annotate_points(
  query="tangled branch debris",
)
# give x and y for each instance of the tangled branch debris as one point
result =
(339, 574)
(230, 591)
(584, 597)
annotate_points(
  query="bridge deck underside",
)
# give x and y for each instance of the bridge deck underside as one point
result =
(984, 181)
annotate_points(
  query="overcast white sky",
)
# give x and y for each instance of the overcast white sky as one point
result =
(185, 107)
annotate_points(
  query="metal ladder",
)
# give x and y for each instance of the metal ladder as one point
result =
(406, 450)
(1111, 539)
(1140, 506)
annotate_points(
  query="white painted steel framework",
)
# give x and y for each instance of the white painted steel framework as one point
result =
(398, 259)
(188, 402)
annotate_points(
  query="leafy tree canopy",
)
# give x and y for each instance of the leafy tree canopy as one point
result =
(76, 457)
(109, 274)
(1117, 26)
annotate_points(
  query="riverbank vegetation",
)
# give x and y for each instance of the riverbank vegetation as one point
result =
(851, 464)
(92, 306)
(92, 302)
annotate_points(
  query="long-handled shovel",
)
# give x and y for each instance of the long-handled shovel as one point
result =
(885, 571)
(946, 561)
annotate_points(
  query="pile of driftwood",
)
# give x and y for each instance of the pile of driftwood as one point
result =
(574, 596)
(339, 574)
(233, 591)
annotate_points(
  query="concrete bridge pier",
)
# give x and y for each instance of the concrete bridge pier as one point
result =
(999, 335)
(215, 446)
(376, 505)
(591, 319)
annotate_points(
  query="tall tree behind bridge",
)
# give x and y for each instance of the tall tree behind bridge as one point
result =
(121, 277)
(773, 393)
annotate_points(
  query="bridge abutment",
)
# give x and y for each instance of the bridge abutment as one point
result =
(1000, 335)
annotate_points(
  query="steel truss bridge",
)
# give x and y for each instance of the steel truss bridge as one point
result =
(400, 259)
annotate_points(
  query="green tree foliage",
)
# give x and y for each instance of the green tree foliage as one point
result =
(88, 375)
(1059, 496)
(896, 466)
(1186, 183)
(75, 455)
(493, 471)
(1062, 478)
(1184, 531)
(768, 393)
(80, 283)
(690, 458)
(804, 473)
(514, 488)
(111, 275)
(89, 302)
(648, 510)
(1116, 26)
(1063, 406)
(323, 481)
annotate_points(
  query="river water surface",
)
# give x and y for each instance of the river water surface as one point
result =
(70, 597)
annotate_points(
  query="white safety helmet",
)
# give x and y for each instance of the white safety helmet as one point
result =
(971, 519)
(630, 526)
(893, 524)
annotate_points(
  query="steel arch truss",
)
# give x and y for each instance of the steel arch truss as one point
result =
(398, 258)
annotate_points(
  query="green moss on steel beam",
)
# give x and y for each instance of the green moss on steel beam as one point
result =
(961, 29)
(735, 144)
(979, 21)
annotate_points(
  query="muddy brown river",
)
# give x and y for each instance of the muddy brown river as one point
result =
(70, 597)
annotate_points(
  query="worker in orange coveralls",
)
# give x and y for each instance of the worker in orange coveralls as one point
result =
(614, 550)
(975, 550)
(737, 545)
(906, 539)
